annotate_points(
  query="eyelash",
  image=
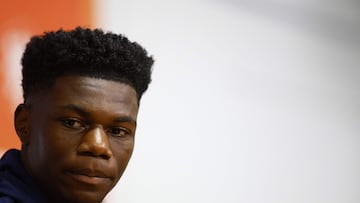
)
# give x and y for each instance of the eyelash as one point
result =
(69, 123)
(124, 130)
(65, 122)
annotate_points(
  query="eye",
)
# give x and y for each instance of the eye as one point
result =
(118, 132)
(73, 123)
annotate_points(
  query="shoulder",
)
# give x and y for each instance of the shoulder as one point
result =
(6, 199)
(9, 182)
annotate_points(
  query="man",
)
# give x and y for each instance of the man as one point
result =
(77, 124)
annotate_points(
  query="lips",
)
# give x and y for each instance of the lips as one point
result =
(89, 176)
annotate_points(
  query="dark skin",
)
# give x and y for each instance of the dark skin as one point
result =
(78, 136)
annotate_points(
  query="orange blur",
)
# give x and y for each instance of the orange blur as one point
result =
(34, 17)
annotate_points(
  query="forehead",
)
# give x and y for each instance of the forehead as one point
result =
(93, 94)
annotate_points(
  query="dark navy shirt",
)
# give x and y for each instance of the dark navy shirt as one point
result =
(16, 185)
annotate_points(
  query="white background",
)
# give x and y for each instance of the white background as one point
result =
(251, 101)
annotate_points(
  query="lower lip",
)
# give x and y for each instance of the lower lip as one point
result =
(91, 180)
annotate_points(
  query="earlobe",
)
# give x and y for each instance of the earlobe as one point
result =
(22, 123)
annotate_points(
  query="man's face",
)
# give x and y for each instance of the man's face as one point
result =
(81, 137)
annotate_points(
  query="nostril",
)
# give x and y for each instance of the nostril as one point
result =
(85, 153)
(103, 156)
(93, 154)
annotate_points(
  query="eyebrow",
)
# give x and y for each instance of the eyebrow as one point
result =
(76, 108)
(85, 113)
(125, 119)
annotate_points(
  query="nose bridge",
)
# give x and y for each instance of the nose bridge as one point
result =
(97, 137)
(95, 143)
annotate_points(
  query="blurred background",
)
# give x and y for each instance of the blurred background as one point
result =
(252, 101)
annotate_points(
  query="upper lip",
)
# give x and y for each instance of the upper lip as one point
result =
(89, 172)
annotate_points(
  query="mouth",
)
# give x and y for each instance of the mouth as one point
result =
(89, 176)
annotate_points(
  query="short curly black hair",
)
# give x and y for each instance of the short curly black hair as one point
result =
(84, 52)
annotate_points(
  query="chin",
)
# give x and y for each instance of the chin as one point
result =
(81, 197)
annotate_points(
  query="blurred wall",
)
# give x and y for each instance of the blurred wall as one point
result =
(252, 101)
(19, 20)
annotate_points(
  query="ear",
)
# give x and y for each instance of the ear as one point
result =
(22, 123)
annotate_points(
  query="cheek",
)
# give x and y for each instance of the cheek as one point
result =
(122, 152)
(51, 144)
(60, 144)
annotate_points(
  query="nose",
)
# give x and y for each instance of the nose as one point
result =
(95, 143)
